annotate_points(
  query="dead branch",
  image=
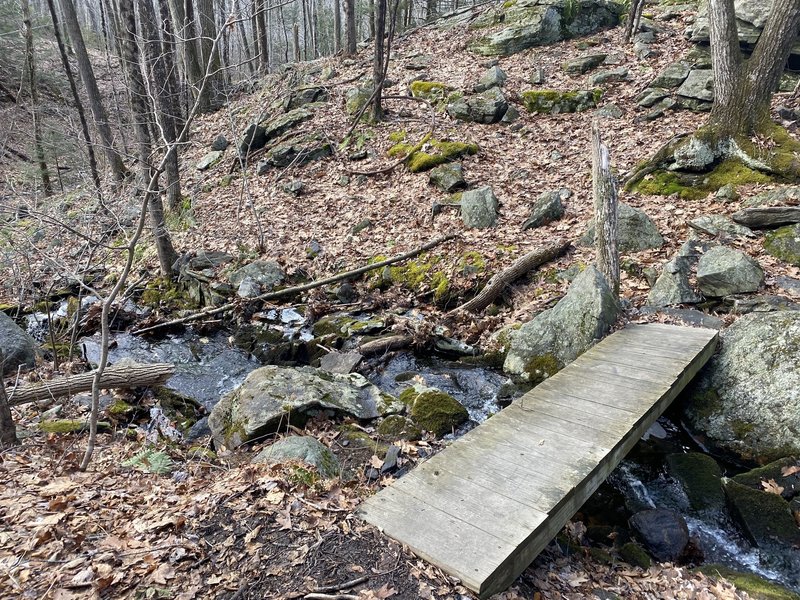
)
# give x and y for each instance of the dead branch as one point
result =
(605, 212)
(385, 344)
(518, 268)
(300, 288)
(122, 375)
(341, 586)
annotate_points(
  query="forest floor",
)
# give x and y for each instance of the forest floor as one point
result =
(223, 528)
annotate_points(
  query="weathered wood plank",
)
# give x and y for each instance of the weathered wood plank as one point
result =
(484, 507)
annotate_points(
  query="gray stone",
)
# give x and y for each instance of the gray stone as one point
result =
(18, 348)
(636, 231)
(209, 160)
(748, 303)
(663, 532)
(693, 104)
(555, 102)
(557, 336)
(615, 59)
(672, 286)
(727, 193)
(529, 23)
(266, 273)
(645, 37)
(790, 284)
(253, 139)
(777, 197)
(673, 75)
(584, 64)
(494, 77)
(301, 448)
(303, 96)
(610, 111)
(644, 51)
(512, 114)
(299, 151)
(270, 395)
(486, 107)
(248, 288)
(198, 430)
(479, 208)
(537, 76)
(692, 155)
(281, 124)
(724, 271)
(448, 177)
(651, 96)
(612, 75)
(295, 187)
(220, 143)
(418, 63)
(340, 362)
(716, 225)
(205, 259)
(747, 400)
(660, 108)
(689, 316)
(356, 98)
(699, 85)
(784, 243)
(547, 208)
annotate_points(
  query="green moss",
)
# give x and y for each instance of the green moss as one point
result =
(541, 367)
(700, 477)
(398, 136)
(601, 556)
(429, 89)
(355, 438)
(554, 101)
(773, 470)
(71, 426)
(396, 427)
(408, 395)
(765, 518)
(226, 181)
(435, 411)
(667, 183)
(440, 153)
(201, 453)
(633, 554)
(741, 428)
(182, 410)
(733, 172)
(166, 295)
(509, 3)
(339, 325)
(471, 262)
(302, 476)
(119, 408)
(756, 587)
(783, 243)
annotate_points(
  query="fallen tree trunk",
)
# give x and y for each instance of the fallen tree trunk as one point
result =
(300, 288)
(520, 267)
(385, 344)
(122, 375)
(768, 216)
(605, 212)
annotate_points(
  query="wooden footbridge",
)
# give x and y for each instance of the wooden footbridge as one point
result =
(485, 506)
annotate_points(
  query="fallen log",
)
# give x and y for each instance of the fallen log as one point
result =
(300, 288)
(385, 344)
(125, 374)
(768, 216)
(518, 268)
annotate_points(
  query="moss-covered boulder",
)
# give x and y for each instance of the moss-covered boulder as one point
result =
(434, 410)
(398, 427)
(557, 336)
(781, 471)
(746, 400)
(784, 243)
(301, 448)
(431, 154)
(272, 396)
(299, 151)
(555, 102)
(429, 90)
(635, 231)
(19, 349)
(756, 587)
(701, 479)
(356, 98)
(633, 554)
(765, 518)
(487, 107)
(529, 23)
(71, 426)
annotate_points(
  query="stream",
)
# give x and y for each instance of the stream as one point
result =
(207, 367)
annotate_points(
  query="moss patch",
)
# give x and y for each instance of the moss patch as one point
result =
(756, 587)
(434, 410)
(784, 244)
(436, 154)
(396, 427)
(429, 90)
(701, 477)
(541, 367)
(554, 101)
(754, 477)
(765, 518)
(633, 554)
(71, 426)
(471, 263)
(166, 295)
(421, 276)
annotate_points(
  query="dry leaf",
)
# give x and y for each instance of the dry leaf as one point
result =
(772, 487)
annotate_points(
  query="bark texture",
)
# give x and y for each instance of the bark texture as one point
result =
(605, 212)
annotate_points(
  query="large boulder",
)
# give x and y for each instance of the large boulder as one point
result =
(664, 533)
(273, 396)
(672, 286)
(303, 96)
(747, 399)
(698, 85)
(784, 243)
(299, 151)
(301, 448)
(487, 107)
(557, 102)
(636, 231)
(253, 139)
(557, 336)
(276, 127)
(18, 348)
(479, 208)
(529, 23)
(673, 75)
(266, 273)
(547, 208)
(724, 271)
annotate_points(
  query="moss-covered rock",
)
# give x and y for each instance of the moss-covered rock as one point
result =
(356, 98)
(338, 325)
(633, 554)
(765, 518)
(302, 448)
(71, 426)
(397, 427)
(429, 90)
(755, 586)
(773, 471)
(421, 276)
(701, 479)
(434, 410)
(784, 243)
(693, 186)
(435, 153)
(555, 102)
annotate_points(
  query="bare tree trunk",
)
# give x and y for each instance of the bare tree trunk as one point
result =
(141, 117)
(261, 35)
(30, 59)
(193, 56)
(305, 29)
(371, 18)
(742, 91)
(157, 70)
(92, 91)
(76, 98)
(337, 26)
(8, 431)
(240, 24)
(605, 212)
(296, 40)
(350, 27)
(430, 10)
(378, 61)
(210, 63)
(169, 48)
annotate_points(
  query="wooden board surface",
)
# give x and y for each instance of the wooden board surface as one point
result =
(484, 507)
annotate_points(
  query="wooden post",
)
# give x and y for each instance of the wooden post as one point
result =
(605, 212)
